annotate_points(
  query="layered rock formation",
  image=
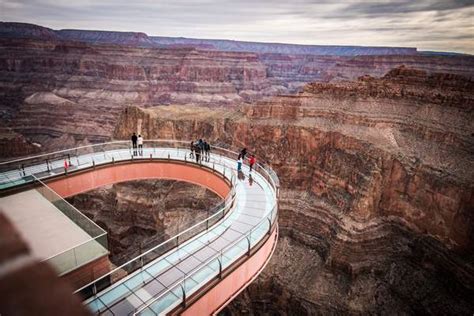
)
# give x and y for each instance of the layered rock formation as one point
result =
(378, 188)
(65, 88)
(138, 215)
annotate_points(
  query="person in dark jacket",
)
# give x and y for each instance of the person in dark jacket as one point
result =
(243, 153)
(197, 152)
(134, 143)
(207, 150)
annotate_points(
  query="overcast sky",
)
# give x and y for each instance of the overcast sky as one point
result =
(444, 25)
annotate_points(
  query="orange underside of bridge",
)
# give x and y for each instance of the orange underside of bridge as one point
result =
(223, 292)
(84, 181)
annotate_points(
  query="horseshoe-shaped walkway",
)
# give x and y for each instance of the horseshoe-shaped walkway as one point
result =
(195, 272)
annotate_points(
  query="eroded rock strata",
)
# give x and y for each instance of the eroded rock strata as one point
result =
(66, 88)
(376, 207)
(138, 215)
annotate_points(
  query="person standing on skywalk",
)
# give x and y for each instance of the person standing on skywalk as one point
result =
(134, 143)
(140, 145)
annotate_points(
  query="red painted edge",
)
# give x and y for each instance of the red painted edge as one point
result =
(218, 296)
(90, 179)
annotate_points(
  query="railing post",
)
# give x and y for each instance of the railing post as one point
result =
(184, 294)
(93, 163)
(69, 158)
(23, 169)
(220, 266)
(248, 241)
(47, 165)
(113, 159)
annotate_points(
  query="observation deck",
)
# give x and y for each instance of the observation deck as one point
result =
(197, 271)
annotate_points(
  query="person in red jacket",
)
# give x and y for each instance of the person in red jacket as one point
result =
(252, 161)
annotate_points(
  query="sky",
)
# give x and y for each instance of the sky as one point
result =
(440, 25)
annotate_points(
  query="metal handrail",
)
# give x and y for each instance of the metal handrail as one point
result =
(228, 203)
(212, 258)
(59, 152)
(152, 249)
(69, 204)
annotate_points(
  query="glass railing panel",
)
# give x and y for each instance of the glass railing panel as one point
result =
(234, 252)
(259, 232)
(158, 267)
(66, 261)
(137, 280)
(89, 251)
(204, 274)
(176, 256)
(70, 211)
(191, 232)
(167, 302)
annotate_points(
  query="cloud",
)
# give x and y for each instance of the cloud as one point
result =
(426, 24)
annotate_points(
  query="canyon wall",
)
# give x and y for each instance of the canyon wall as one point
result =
(138, 215)
(378, 187)
(65, 88)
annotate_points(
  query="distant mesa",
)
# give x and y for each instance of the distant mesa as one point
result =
(24, 30)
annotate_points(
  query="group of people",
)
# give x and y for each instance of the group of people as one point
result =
(241, 159)
(201, 150)
(137, 144)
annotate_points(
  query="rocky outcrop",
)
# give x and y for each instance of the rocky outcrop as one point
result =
(15, 145)
(138, 215)
(377, 191)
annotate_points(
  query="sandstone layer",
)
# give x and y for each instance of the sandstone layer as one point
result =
(378, 188)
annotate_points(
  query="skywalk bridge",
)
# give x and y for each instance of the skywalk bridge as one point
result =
(197, 271)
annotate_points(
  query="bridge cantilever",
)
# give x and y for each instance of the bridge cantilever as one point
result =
(215, 260)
